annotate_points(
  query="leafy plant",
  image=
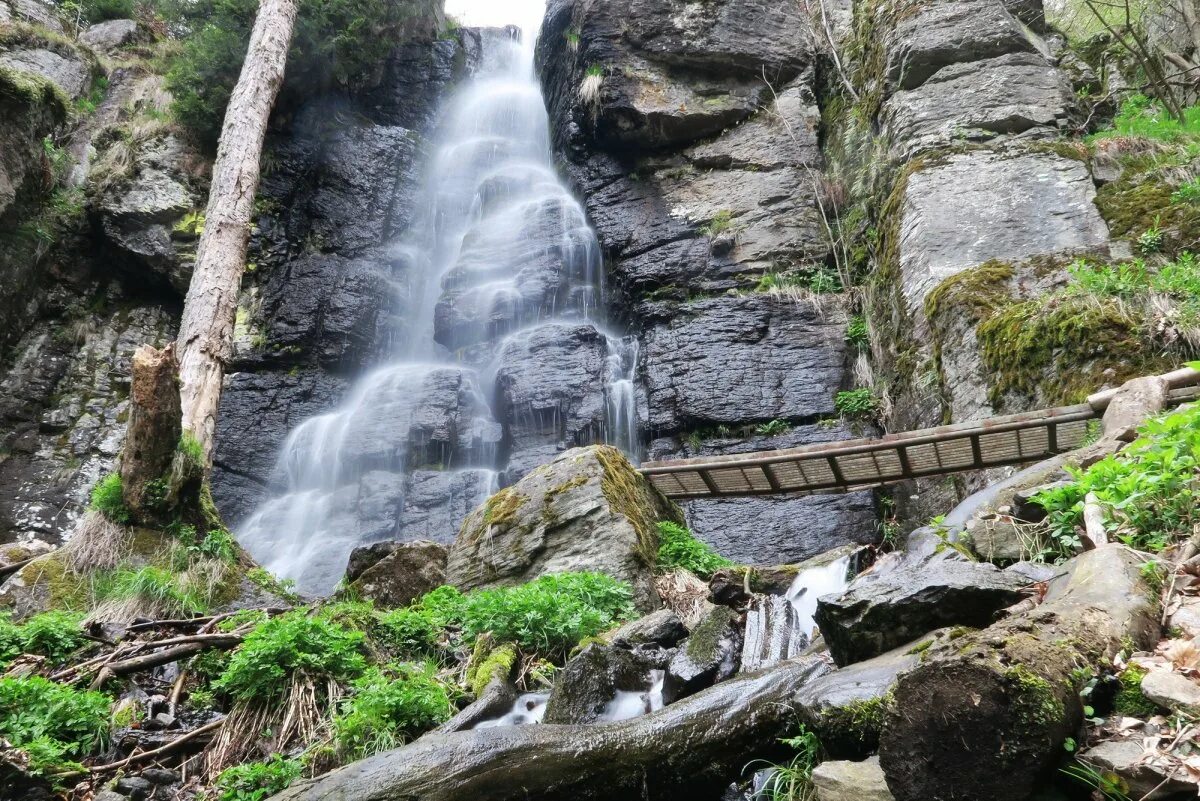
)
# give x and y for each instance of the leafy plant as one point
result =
(1148, 491)
(292, 644)
(1142, 117)
(549, 615)
(856, 332)
(773, 428)
(255, 781)
(859, 402)
(55, 635)
(678, 548)
(390, 707)
(52, 722)
(1188, 192)
(108, 500)
(721, 222)
(1151, 240)
(793, 781)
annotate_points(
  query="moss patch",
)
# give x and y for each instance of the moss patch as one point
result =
(1035, 703)
(1129, 700)
(856, 725)
(628, 493)
(498, 663)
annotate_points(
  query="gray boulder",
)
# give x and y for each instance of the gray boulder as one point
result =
(1171, 690)
(902, 599)
(108, 36)
(1149, 778)
(410, 570)
(850, 781)
(589, 683)
(711, 655)
(586, 510)
(662, 628)
(61, 66)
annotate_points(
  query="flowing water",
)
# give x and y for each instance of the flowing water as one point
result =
(501, 259)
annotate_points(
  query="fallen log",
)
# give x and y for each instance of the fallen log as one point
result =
(986, 715)
(190, 647)
(689, 750)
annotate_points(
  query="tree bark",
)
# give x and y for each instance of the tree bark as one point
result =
(154, 421)
(986, 715)
(206, 330)
(689, 750)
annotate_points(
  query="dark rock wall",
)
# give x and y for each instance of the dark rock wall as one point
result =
(691, 130)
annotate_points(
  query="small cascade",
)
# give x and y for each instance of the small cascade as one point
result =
(499, 269)
(628, 704)
(779, 627)
(529, 708)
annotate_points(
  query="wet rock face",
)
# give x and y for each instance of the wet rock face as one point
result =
(405, 573)
(711, 654)
(587, 510)
(342, 183)
(906, 598)
(590, 681)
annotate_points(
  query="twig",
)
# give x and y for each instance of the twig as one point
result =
(171, 746)
(163, 657)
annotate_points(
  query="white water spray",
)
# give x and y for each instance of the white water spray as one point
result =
(500, 247)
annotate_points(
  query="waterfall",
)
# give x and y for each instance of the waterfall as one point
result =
(500, 252)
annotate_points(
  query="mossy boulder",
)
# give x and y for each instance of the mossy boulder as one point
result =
(588, 510)
(591, 680)
(407, 572)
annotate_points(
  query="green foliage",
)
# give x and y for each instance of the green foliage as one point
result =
(721, 221)
(389, 708)
(815, 279)
(94, 11)
(108, 500)
(1106, 785)
(679, 548)
(255, 781)
(856, 332)
(793, 781)
(335, 43)
(597, 71)
(857, 403)
(549, 615)
(1141, 116)
(1148, 491)
(154, 585)
(292, 644)
(55, 635)
(412, 631)
(1129, 700)
(1188, 192)
(1151, 240)
(772, 428)
(52, 722)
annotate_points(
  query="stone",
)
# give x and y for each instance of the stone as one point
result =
(1136, 400)
(586, 686)
(108, 36)
(999, 540)
(68, 72)
(1171, 690)
(979, 206)
(902, 599)
(1007, 95)
(160, 776)
(730, 360)
(709, 656)
(135, 787)
(37, 12)
(662, 628)
(366, 556)
(850, 781)
(586, 510)
(409, 571)
(1148, 777)
(1185, 616)
(106, 794)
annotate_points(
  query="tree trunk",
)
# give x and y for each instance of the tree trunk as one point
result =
(986, 715)
(689, 750)
(153, 434)
(206, 331)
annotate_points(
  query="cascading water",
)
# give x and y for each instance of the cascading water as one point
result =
(501, 259)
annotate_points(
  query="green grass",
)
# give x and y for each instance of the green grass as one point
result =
(53, 723)
(792, 780)
(1142, 117)
(856, 403)
(390, 707)
(678, 548)
(1148, 491)
(108, 500)
(157, 586)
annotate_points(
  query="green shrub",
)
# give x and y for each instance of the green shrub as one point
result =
(1148, 491)
(107, 499)
(859, 402)
(11, 644)
(55, 635)
(792, 781)
(99, 10)
(1141, 116)
(255, 781)
(549, 615)
(856, 332)
(286, 646)
(385, 710)
(679, 548)
(53, 722)
(411, 631)
(1188, 192)
(772, 428)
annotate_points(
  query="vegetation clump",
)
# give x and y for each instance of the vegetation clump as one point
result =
(679, 549)
(1148, 491)
(108, 500)
(858, 403)
(55, 635)
(390, 706)
(255, 781)
(1129, 700)
(54, 724)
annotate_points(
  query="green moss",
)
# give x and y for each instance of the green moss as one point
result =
(1129, 700)
(981, 290)
(501, 509)
(857, 723)
(706, 637)
(1141, 202)
(498, 663)
(1034, 703)
(632, 496)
